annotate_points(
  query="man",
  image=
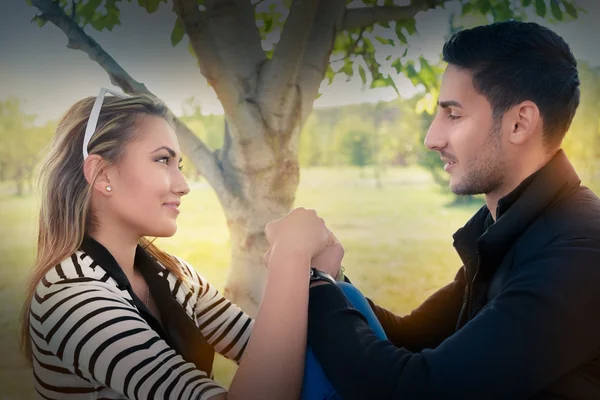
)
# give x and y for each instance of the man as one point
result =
(522, 317)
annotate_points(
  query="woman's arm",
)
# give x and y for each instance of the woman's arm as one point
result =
(273, 363)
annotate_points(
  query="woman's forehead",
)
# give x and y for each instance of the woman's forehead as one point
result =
(155, 132)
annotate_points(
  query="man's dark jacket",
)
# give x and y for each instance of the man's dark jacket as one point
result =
(521, 320)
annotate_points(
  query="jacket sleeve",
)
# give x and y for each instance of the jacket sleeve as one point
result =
(429, 324)
(542, 324)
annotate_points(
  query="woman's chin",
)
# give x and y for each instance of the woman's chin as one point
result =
(164, 231)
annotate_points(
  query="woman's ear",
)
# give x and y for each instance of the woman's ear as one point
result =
(95, 166)
(525, 121)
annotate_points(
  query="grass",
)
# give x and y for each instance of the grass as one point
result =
(398, 246)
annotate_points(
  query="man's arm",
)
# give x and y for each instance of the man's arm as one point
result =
(428, 325)
(542, 325)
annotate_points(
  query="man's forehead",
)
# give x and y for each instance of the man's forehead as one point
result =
(457, 86)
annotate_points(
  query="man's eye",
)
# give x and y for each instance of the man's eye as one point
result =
(451, 116)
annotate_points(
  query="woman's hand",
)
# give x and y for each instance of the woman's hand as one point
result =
(330, 259)
(301, 232)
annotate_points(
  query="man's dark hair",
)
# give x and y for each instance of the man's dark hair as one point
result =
(516, 61)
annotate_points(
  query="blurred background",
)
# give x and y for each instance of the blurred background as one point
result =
(358, 145)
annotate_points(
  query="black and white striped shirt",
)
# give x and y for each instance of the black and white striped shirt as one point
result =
(92, 338)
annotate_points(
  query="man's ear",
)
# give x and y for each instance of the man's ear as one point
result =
(524, 119)
(95, 167)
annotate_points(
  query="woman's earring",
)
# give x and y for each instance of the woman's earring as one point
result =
(108, 188)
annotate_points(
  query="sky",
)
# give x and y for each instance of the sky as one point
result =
(38, 68)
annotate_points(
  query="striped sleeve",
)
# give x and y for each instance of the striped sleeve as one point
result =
(223, 324)
(98, 335)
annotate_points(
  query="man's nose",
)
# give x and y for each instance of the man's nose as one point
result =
(435, 138)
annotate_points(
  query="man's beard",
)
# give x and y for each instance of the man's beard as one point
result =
(485, 173)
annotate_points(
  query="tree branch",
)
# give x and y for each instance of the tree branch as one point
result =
(227, 47)
(328, 23)
(367, 16)
(279, 75)
(196, 150)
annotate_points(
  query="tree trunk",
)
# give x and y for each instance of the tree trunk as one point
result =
(268, 195)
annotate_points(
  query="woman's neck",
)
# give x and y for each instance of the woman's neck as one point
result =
(120, 245)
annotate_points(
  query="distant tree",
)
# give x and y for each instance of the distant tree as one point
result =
(22, 143)
(358, 148)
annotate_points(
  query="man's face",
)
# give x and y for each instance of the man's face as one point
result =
(466, 136)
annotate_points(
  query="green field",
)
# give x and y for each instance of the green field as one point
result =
(398, 246)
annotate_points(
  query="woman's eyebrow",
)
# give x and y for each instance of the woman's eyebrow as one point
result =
(170, 150)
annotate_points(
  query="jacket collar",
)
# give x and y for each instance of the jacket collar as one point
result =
(518, 211)
(105, 259)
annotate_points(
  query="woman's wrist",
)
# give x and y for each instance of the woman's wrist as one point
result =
(282, 255)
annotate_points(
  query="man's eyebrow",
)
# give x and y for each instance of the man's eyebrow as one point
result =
(449, 103)
(170, 150)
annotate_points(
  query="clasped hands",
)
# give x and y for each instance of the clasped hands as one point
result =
(302, 233)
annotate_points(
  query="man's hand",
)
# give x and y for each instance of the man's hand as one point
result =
(330, 259)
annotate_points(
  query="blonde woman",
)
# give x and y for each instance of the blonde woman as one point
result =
(111, 316)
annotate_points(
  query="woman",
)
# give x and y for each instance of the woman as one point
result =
(108, 314)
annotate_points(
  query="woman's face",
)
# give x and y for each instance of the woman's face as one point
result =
(147, 185)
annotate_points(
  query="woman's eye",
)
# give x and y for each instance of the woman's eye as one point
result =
(165, 159)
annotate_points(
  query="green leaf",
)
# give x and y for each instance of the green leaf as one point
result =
(399, 33)
(381, 40)
(368, 45)
(39, 20)
(556, 11)
(150, 5)
(363, 74)
(177, 33)
(540, 8)
(410, 25)
(384, 82)
(570, 9)
(329, 74)
(347, 68)
(87, 10)
(466, 9)
(397, 65)
(483, 6)
(526, 3)
(268, 24)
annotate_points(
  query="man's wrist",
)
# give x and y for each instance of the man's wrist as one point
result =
(320, 276)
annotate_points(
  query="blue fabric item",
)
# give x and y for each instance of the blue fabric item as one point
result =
(316, 386)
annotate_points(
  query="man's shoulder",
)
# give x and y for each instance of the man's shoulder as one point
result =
(576, 215)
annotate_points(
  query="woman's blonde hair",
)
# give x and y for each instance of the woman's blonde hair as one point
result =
(65, 214)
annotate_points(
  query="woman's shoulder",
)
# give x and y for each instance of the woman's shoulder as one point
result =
(77, 270)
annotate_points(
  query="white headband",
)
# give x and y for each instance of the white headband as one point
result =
(93, 119)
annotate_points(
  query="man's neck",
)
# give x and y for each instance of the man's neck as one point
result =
(512, 181)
